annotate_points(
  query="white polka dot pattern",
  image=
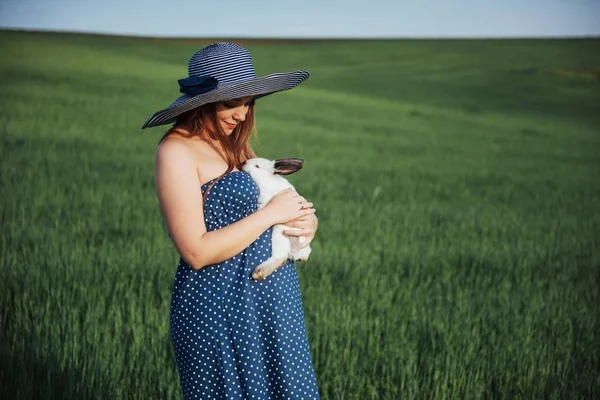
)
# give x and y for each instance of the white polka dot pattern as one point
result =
(235, 337)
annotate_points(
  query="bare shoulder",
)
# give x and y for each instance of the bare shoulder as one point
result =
(177, 155)
(175, 160)
(173, 148)
(178, 148)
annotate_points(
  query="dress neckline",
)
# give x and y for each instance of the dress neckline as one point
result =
(213, 179)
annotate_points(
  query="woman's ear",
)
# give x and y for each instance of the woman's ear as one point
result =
(286, 166)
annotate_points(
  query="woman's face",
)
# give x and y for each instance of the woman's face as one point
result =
(232, 112)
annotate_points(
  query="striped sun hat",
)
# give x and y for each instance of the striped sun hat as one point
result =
(219, 72)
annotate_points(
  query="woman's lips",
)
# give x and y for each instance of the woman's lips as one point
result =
(230, 126)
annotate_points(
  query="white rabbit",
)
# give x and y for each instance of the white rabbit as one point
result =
(267, 176)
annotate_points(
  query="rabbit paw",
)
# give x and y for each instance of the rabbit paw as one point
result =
(267, 268)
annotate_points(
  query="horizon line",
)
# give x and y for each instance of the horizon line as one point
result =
(293, 38)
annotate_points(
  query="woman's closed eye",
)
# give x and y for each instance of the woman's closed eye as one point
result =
(233, 104)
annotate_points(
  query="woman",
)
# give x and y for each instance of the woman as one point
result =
(234, 337)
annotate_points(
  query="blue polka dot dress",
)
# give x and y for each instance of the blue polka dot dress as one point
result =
(235, 337)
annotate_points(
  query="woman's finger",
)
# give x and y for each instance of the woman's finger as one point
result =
(304, 223)
(297, 232)
(300, 228)
(307, 242)
(306, 211)
(294, 232)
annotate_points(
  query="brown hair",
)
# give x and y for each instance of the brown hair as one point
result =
(234, 148)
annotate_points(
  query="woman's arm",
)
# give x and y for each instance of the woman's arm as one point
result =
(180, 197)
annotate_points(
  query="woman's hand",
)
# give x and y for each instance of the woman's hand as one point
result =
(306, 227)
(288, 205)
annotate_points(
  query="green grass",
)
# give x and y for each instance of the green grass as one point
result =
(456, 184)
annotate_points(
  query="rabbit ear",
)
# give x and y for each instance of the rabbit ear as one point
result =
(286, 166)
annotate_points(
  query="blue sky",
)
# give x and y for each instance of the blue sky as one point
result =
(308, 18)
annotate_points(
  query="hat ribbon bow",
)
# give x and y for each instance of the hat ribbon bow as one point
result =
(195, 85)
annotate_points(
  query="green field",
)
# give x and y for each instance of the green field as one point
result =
(456, 184)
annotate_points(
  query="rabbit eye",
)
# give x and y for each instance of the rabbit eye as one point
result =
(257, 166)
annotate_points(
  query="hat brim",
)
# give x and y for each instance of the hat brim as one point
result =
(258, 87)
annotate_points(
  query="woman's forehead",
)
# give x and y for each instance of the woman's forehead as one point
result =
(242, 99)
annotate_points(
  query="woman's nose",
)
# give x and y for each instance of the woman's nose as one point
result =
(240, 113)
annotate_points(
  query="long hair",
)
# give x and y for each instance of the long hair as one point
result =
(234, 148)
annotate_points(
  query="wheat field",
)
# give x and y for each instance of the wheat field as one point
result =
(455, 181)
